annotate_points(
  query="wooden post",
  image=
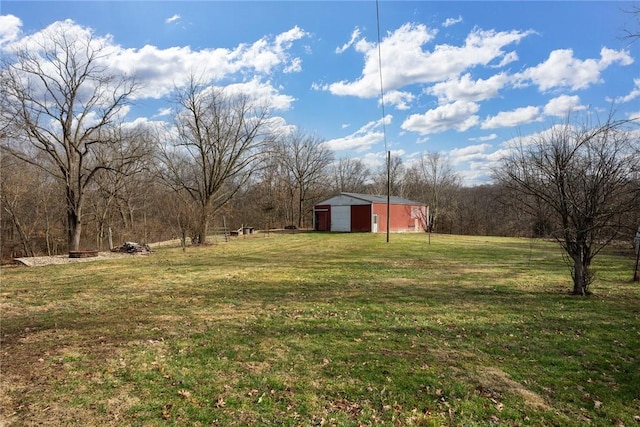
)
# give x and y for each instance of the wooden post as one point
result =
(225, 229)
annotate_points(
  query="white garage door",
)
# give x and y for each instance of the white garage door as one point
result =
(340, 218)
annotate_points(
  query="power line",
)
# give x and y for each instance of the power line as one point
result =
(384, 127)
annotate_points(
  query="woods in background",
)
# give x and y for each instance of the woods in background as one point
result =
(74, 171)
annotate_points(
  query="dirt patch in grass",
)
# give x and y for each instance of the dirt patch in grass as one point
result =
(493, 380)
(40, 261)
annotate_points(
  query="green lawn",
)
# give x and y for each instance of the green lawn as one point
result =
(323, 329)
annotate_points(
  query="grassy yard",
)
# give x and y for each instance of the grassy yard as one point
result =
(322, 329)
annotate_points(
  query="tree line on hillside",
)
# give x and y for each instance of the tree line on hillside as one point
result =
(75, 173)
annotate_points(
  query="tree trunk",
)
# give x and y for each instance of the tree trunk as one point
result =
(24, 240)
(75, 229)
(200, 235)
(300, 203)
(74, 226)
(578, 286)
(581, 274)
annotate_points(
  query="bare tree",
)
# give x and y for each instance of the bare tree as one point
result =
(59, 99)
(440, 182)
(15, 189)
(582, 175)
(266, 201)
(395, 178)
(119, 191)
(304, 161)
(350, 175)
(220, 137)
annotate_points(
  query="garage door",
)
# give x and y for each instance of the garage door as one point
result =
(361, 218)
(341, 218)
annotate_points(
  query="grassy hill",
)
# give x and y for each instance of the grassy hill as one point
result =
(322, 329)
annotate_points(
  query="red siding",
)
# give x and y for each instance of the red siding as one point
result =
(403, 218)
(361, 218)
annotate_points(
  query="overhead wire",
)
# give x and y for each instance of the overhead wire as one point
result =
(384, 127)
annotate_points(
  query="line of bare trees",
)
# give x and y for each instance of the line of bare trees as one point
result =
(73, 171)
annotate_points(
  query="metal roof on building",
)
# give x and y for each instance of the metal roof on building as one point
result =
(371, 198)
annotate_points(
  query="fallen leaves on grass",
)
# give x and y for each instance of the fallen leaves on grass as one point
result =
(185, 394)
(166, 411)
(351, 408)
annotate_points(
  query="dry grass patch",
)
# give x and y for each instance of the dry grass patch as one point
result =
(494, 382)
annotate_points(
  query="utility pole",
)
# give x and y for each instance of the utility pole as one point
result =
(388, 193)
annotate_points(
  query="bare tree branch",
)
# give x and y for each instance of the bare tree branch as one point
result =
(60, 100)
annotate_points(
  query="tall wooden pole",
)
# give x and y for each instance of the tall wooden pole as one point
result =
(388, 193)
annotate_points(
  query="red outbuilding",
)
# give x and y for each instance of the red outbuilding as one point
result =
(352, 212)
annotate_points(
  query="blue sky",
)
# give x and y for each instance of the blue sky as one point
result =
(460, 78)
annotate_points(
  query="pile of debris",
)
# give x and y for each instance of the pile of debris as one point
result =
(133, 248)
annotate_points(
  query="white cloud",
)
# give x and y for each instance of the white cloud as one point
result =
(507, 59)
(174, 18)
(262, 93)
(399, 99)
(356, 141)
(285, 40)
(611, 56)
(477, 174)
(163, 112)
(468, 153)
(524, 140)
(562, 69)
(475, 163)
(278, 125)
(563, 105)
(9, 28)
(481, 168)
(373, 161)
(354, 36)
(144, 122)
(43, 39)
(81, 42)
(465, 89)
(459, 115)
(452, 21)
(484, 138)
(513, 118)
(160, 70)
(635, 93)
(405, 62)
(362, 139)
(294, 67)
